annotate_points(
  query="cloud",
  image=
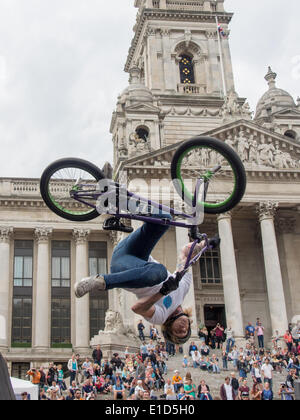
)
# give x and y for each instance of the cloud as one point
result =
(61, 70)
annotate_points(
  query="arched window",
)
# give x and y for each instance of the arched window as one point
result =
(187, 75)
(143, 133)
(291, 134)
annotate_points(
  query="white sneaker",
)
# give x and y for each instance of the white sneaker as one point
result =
(89, 284)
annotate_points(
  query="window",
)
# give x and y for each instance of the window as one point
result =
(61, 276)
(60, 294)
(23, 264)
(22, 294)
(98, 299)
(19, 370)
(186, 70)
(143, 133)
(22, 321)
(60, 317)
(291, 134)
(210, 269)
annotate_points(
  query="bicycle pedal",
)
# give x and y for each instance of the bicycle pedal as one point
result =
(114, 223)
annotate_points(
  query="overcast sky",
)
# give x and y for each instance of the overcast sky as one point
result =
(61, 70)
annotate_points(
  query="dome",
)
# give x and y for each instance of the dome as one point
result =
(274, 99)
(137, 91)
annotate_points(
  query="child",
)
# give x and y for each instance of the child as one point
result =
(185, 362)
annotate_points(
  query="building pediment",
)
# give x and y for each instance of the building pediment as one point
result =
(262, 151)
(287, 113)
(142, 108)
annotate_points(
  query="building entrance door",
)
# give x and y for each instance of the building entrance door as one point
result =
(214, 314)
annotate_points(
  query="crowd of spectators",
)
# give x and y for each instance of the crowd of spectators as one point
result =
(145, 375)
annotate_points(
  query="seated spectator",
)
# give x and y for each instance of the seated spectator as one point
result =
(190, 390)
(119, 390)
(196, 359)
(215, 364)
(192, 348)
(204, 392)
(177, 381)
(181, 394)
(204, 350)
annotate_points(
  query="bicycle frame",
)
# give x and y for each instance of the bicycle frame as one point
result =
(196, 236)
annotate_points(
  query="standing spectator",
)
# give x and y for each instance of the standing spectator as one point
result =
(256, 393)
(226, 391)
(235, 384)
(288, 338)
(229, 339)
(97, 355)
(267, 393)
(242, 367)
(244, 390)
(286, 393)
(35, 375)
(219, 331)
(267, 370)
(73, 368)
(260, 334)
(60, 380)
(256, 374)
(141, 328)
(225, 360)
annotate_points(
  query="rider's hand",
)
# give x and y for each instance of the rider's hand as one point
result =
(171, 284)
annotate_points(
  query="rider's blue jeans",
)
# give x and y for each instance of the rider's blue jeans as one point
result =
(130, 266)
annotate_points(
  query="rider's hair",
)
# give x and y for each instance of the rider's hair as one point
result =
(169, 335)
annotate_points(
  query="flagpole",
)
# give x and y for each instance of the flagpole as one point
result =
(221, 58)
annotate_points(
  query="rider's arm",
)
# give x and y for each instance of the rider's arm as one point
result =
(145, 306)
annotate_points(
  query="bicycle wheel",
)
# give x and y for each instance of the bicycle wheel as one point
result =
(60, 179)
(195, 159)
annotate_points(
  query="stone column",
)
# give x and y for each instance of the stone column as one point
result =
(287, 227)
(232, 297)
(276, 296)
(182, 238)
(41, 341)
(5, 237)
(82, 306)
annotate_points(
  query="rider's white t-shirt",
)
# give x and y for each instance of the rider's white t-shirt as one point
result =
(167, 304)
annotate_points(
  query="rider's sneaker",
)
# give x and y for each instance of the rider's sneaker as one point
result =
(89, 284)
(113, 223)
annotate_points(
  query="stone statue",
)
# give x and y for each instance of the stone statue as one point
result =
(114, 323)
(243, 147)
(230, 141)
(137, 145)
(253, 152)
(266, 152)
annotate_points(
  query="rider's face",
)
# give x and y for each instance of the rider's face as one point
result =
(180, 327)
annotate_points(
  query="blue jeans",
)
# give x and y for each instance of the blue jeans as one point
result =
(261, 341)
(230, 344)
(130, 266)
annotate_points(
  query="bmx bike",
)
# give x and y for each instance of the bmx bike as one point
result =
(206, 173)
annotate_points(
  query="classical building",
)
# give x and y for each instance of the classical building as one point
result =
(181, 85)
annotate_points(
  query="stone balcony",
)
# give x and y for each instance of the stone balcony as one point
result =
(191, 89)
